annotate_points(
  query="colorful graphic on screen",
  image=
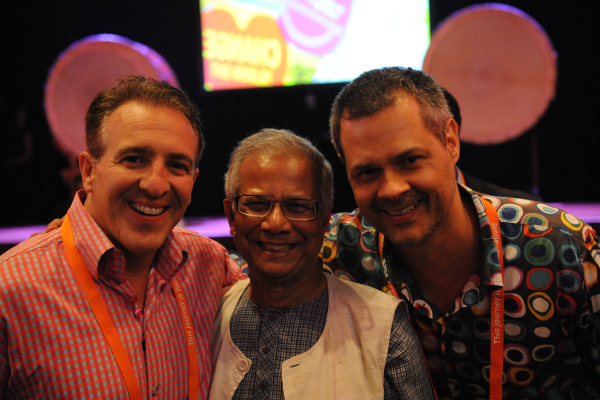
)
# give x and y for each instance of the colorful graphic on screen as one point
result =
(265, 43)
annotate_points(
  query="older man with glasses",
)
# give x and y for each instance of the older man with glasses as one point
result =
(292, 330)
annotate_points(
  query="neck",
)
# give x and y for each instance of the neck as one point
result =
(443, 263)
(282, 293)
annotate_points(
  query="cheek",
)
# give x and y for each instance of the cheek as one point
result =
(364, 195)
(184, 191)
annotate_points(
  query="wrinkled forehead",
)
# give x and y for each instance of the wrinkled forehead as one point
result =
(274, 163)
(150, 116)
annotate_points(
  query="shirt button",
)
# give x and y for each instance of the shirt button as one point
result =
(133, 299)
(262, 386)
(266, 349)
(139, 313)
(243, 365)
(155, 390)
(272, 317)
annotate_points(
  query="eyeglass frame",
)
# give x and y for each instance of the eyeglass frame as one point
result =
(273, 201)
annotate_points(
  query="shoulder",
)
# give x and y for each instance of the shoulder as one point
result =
(359, 293)
(349, 230)
(526, 223)
(196, 243)
(208, 256)
(234, 292)
(33, 247)
(354, 219)
(31, 266)
(517, 211)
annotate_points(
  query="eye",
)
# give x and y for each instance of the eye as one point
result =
(179, 166)
(297, 207)
(133, 160)
(411, 160)
(367, 174)
(256, 205)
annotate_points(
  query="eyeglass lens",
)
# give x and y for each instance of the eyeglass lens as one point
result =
(261, 206)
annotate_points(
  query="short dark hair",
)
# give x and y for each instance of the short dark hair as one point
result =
(146, 91)
(453, 106)
(377, 89)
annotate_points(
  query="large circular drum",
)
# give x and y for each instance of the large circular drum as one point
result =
(499, 64)
(85, 68)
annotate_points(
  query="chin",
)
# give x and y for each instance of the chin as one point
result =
(144, 245)
(411, 235)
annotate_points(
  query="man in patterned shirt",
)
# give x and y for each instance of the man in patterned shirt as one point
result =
(420, 235)
(293, 330)
(118, 303)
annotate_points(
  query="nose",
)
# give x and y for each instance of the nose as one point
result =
(394, 184)
(276, 222)
(155, 181)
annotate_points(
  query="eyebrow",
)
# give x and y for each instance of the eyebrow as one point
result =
(135, 150)
(406, 153)
(148, 151)
(180, 157)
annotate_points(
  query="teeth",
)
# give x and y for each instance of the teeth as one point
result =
(276, 247)
(147, 210)
(404, 210)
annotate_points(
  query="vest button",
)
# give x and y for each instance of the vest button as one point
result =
(266, 349)
(262, 386)
(243, 365)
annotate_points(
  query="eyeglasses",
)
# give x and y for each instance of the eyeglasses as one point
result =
(293, 209)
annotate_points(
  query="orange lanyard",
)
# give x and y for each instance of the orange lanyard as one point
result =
(497, 331)
(497, 308)
(108, 327)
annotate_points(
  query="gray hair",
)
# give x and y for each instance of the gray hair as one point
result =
(377, 89)
(273, 142)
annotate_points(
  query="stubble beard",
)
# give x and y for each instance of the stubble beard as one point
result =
(396, 234)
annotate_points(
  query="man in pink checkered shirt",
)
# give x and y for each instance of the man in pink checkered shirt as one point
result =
(144, 143)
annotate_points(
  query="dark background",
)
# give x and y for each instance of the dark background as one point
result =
(34, 33)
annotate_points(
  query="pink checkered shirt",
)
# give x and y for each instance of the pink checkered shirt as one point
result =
(51, 346)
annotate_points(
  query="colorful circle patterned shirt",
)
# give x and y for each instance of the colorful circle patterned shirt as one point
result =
(551, 301)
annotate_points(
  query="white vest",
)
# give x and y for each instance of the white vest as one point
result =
(347, 362)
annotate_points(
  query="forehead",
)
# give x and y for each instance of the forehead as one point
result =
(387, 132)
(156, 126)
(278, 173)
(403, 114)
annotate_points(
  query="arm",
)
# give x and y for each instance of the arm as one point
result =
(405, 375)
(55, 224)
(590, 311)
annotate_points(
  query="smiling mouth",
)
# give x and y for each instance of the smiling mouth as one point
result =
(404, 211)
(277, 247)
(147, 211)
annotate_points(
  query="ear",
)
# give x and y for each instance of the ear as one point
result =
(326, 219)
(452, 140)
(228, 206)
(87, 169)
(196, 171)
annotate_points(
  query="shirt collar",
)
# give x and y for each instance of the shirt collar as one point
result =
(104, 260)
(460, 178)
